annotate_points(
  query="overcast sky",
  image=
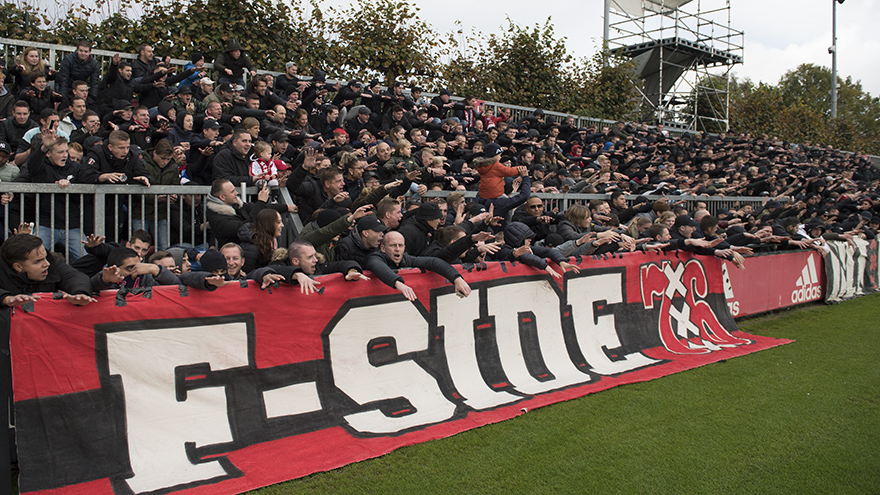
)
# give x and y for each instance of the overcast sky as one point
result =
(779, 34)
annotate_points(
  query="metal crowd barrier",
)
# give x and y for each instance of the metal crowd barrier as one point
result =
(561, 201)
(91, 205)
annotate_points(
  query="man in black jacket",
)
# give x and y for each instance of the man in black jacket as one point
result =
(12, 130)
(418, 228)
(114, 163)
(392, 256)
(231, 64)
(79, 66)
(362, 241)
(27, 268)
(232, 163)
(118, 85)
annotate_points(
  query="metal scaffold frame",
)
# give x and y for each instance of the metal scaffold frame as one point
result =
(684, 59)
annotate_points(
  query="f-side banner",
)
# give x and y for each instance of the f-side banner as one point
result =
(176, 391)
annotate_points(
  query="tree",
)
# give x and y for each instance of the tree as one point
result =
(522, 67)
(24, 22)
(603, 86)
(383, 38)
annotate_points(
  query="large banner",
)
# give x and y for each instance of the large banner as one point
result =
(773, 281)
(852, 269)
(184, 391)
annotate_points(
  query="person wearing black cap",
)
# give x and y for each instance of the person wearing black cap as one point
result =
(203, 149)
(184, 101)
(222, 94)
(492, 172)
(150, 97)
(124, 269)
(393, 256)
(441, 105)
(347, 96)
(419, 225)
(362, 241)
(394, 96)
(197, 62)
(362, 120)
(8, 170)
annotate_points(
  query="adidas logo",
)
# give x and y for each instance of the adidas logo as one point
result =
(807, 284)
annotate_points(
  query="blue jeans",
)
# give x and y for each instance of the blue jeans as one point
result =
(160, 233)
(71, 238)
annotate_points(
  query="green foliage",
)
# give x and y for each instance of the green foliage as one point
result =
(602, 86)
(522, 66)
(532, 67)
(798, 109)
(384, 38)
(22, 22)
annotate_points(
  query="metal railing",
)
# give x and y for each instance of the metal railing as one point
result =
(174, 215)
(559, 202)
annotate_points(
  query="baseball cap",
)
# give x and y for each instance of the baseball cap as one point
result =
(206, 80)
(210, 124)
(279, 137)
(370, 222)
(4, 148)
(682, 220)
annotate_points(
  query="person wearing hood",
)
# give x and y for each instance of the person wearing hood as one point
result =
(182, 131)
(231, 64)
(227, 213)
(517, 247)
(418, 228)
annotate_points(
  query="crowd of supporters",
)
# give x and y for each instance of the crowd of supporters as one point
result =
(358, 160)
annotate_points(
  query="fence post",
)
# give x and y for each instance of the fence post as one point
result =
(100, 210)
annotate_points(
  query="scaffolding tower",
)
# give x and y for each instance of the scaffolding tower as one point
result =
(683, 59)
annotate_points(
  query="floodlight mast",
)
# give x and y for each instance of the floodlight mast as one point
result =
(606, 30)
(833, 51)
